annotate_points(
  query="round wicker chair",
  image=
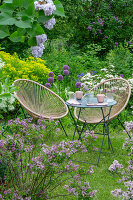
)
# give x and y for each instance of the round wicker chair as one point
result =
(122, 92)
(39, 101)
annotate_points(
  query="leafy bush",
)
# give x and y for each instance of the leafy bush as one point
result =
(102, 22)
(39, 171)
(30, 68)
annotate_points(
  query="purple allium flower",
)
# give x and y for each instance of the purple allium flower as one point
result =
(82, 74)
(78, 85)
(121, 75)
(41, 39)
(116, 43)
(51, 74)
(50, 23)
(48, 85)
(129, 42)
(89, 28)
(65, 67)
(59, 77)
(50, 79)
(66, 72)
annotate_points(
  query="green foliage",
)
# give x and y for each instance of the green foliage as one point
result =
(31, 68)
(20, 22)
(122, 59)
(110, 22)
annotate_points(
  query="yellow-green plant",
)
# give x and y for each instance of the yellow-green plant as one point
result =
(30, 68)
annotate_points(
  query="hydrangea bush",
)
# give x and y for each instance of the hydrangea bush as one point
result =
(37, 170)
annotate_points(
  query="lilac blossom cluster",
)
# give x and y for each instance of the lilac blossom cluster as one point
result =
(32, 161)
(47, 6)
(37, 51)
(115, 166)
(126, 173)
(50, 23)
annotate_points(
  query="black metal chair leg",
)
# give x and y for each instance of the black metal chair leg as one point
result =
(123, 127)
(63, 127)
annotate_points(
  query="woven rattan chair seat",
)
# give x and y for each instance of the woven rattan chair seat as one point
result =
(122, 92)
(39, 101)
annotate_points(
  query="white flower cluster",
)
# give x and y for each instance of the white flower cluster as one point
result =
(47, 6)
(50, 23)
(37, 51)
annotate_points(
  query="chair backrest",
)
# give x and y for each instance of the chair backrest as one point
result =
(122, 92)
(39, 101)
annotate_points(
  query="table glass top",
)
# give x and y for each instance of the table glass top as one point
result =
(93, 103)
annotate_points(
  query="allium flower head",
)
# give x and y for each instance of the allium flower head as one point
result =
(51, 74)
(116, 43)
(50, 23)
(78, 85)
(65, 67)
(121, 75)
(59, 77)
(50, 79)
(48, 85)
(41, 39)
(66, 72)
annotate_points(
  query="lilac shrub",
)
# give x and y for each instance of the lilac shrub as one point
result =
(35, 169)
(127, 173)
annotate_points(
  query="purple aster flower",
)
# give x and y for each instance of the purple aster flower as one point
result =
(51, 74)
(129, 42)
(99, 30)
(121, 75)
(65, 67)
(116, 43)
(78, 85)
(50, 79)
(89, 28)
(66, 72)
(93, 22)
(106, 37)
(59, 77)
(48, 85)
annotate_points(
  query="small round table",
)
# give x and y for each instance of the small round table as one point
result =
(93, 104)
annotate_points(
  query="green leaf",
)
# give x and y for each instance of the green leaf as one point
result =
(23, 24)
(8, 8)
(0, 88)
(6, 19)
(36, 30)
(1, 117)
(17, 37)
(8, 1)
(5, 95)
(42, 18)
(32, 41)
(59, 8)
(4, 32)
